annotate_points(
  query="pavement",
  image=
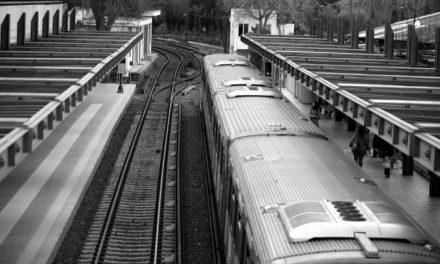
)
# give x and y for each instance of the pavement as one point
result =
(40, 197)
(410, 192)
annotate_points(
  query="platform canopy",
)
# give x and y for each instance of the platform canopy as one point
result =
(399, 103)
(42, 80)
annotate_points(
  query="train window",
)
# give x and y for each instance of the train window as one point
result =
(226, 194)
(243, 29)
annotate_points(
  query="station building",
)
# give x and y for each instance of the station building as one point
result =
(241, 22)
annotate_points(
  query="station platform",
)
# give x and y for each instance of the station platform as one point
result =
(40, 197)
(410, 192)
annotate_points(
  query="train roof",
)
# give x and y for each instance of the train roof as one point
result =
(287, 186)
(227, 70)
(219, 57)
(256, 115)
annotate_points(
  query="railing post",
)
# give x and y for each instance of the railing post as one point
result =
(320, 33)
(5, 30)
(64, 21)
(389, 41)
(369, 38)
(407, 165)
(34, 27)
(340, 32)
(72, 19)
(434, 184)
(56, 23)
(45, 29)
(330, 30)
(21, 30)
(412, 43)
(437, 50)
(354, 34)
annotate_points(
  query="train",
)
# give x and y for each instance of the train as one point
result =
(286, 194)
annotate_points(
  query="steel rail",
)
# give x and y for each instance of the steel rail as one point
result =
(216, 245)
(179, 216)
(215, 226)
(163, 169)
(100, 249)
(179, 238)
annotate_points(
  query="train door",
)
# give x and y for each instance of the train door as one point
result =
(217, 156)
(215, 138)
(226, 193)
(223, 173)
(220, 171)
(230, 227)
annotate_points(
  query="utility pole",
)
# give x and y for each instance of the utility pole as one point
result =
(414, 12)
(186, 20)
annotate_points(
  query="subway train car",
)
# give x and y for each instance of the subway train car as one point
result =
(286, 194)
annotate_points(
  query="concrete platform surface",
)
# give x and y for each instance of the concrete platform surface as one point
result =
(39, 198)
(410, 192)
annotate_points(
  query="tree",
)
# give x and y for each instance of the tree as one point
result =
(107, 11)
(261, 10)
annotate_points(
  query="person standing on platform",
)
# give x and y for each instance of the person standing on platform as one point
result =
(360, 145)
(315, 113)
(385, 151)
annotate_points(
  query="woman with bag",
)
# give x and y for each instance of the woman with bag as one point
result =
(360, 145)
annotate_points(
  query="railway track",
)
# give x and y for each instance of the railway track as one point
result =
(143, 216)
(135, 222)
(200, 238)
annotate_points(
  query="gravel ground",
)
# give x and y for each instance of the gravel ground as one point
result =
(196, 224)
(71, 247)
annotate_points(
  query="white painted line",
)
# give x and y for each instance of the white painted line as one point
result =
(59, 204)
(11, 214)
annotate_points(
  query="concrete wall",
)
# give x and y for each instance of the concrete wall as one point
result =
(239, 16)
(287, 29)
(15, 12)
(290, 84)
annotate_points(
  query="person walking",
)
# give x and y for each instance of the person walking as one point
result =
(315, 113)
(360, 145)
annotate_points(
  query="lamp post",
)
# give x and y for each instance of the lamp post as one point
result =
(186, 26)
(414, 12)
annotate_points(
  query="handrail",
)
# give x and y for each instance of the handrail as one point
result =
(27, 94)
(41, 115)
(393, 119)
(382, 102)
(15, 135)
(355, 99)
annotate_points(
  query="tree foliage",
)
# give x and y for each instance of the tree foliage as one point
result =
(261, 10)
(107, 11)
(195, 15)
